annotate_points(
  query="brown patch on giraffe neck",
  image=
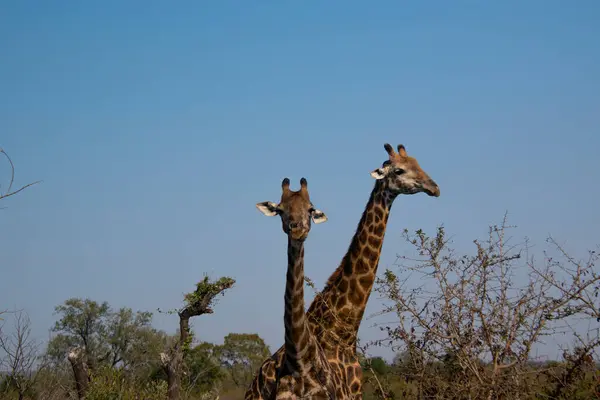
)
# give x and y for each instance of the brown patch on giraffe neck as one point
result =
(300, 348)
(363, 254)
(337, 313)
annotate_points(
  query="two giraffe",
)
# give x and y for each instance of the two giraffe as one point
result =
(335, 314)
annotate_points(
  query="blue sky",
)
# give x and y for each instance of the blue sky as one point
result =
(157, 126)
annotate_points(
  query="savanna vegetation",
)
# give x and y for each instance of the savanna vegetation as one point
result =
(457, 326)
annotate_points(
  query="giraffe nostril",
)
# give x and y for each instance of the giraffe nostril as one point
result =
(293, 225)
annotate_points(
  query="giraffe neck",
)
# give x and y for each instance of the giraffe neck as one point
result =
(337, 311)
(299, 348)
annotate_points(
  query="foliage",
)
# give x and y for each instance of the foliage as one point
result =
(124, 332)
(143, 357)
(379, 365)
(113, 384)
(541, 378)
(115, 338)
(242, 354)
(466, 329)
(205, 289)
(204, 370)
(84, 323)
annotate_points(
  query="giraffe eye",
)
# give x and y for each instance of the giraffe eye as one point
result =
(399, 171)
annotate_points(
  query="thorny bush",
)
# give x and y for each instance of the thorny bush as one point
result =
(469, 327)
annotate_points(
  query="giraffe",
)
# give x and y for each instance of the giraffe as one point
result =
(336, 312)
(305, 372)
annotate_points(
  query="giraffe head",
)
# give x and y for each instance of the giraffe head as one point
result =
(401, 174)
(295, 209)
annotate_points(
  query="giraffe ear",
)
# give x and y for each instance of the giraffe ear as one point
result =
(379, 173)
(318, 216)
(268, 208)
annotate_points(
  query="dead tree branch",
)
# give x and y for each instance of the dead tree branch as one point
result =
(10, 192)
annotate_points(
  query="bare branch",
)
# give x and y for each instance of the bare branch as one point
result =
(9, 192)
(20, 354)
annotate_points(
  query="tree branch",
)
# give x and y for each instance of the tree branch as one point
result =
(9, 191)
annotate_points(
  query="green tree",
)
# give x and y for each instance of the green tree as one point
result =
(114, 338)
(83, 323)
(379, 365)
(204, 368)
(142, 358)
(242, 354)
(126, 335)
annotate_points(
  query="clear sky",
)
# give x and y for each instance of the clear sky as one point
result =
(157, 126)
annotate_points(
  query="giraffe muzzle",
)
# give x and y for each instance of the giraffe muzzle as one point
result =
(297, 231)
(431, 188)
